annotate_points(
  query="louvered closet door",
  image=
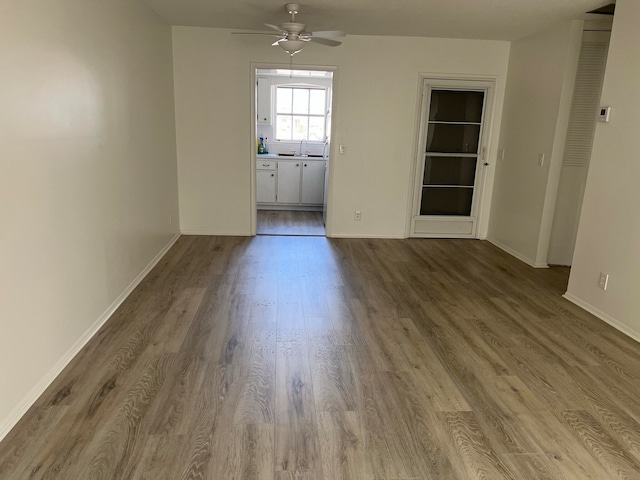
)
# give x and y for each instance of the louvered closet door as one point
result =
(450, 162)
(586, 98)
(579, 142)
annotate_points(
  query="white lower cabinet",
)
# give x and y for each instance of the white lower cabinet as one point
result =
(266, 181)
(265, 186)
(312, 191)
(288, 181)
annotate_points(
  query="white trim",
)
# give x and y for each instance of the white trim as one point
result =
(255, 66)
(366, 235)
(209, 233)
(18, 412)
(289, 208)
(518, 255)
(427, 81)
(603, 316)
(448, 236)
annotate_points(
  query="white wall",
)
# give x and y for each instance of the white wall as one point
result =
(377, 103)
(609, 232)
(537, 104)
(87, 174)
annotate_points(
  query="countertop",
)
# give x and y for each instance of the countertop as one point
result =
(275, 156)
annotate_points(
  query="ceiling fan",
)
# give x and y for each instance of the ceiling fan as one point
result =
(292, 35)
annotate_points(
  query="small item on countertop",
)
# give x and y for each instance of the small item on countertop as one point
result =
(261, 149)
(266, 144)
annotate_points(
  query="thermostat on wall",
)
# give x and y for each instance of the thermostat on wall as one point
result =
(603, 114)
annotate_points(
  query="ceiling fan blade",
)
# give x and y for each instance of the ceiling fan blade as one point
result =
(325, 41)
(277, 42)
(328, 34)
(268, 34)
(275, 27)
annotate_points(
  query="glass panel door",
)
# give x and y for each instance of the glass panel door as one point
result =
(451, 152)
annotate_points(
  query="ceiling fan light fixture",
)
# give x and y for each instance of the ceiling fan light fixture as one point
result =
(291, 46)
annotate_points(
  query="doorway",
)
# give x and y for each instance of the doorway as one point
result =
(451, 157)
(292, 150)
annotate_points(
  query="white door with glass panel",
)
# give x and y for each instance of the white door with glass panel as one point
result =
(451, 159)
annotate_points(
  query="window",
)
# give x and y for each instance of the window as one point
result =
(301, 113)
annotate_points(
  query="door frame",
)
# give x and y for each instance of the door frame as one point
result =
(253, 135)
(462, 82)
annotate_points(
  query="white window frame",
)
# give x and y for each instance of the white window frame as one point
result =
(276, 114)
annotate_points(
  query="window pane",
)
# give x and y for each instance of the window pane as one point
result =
(449, 171)
(317, 102)
(283, 127)
(446, 201)
(300, 100)
(456, 106)
(300, 127)
(447, 138)
(316, 129)
(284, 99)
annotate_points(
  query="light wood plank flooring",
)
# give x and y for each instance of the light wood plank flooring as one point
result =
(310, 358)
(289, 222)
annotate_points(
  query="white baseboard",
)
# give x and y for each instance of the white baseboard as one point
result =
(603, 316)
(8, 423)
(295, 208)
(366, 235)
(518, 255)
(215, 234)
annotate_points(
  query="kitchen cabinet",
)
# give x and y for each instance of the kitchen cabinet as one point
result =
(297, 182)
(312, 189)
(265, 186)
(266, 181)
(263, 101)
(289, 181)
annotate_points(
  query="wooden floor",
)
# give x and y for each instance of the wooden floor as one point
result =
(310, 358)
(287, 222)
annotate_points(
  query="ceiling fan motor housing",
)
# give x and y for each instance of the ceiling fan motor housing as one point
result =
(292, 28)
(292, 8)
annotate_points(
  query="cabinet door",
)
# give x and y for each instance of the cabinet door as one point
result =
(266, 186)
(288, 181)
(313, 182)
(263, 101)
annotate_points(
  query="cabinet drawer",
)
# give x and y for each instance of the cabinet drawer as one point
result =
(265, 164)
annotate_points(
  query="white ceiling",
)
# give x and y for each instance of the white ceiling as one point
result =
(481, 19)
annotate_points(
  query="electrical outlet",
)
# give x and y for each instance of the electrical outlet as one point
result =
(170, 219)
(541, 159)
(357, 216)
(343, 149)
(501, 154)
(603, 281)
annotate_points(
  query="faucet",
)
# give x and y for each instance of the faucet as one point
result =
(305, 141)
